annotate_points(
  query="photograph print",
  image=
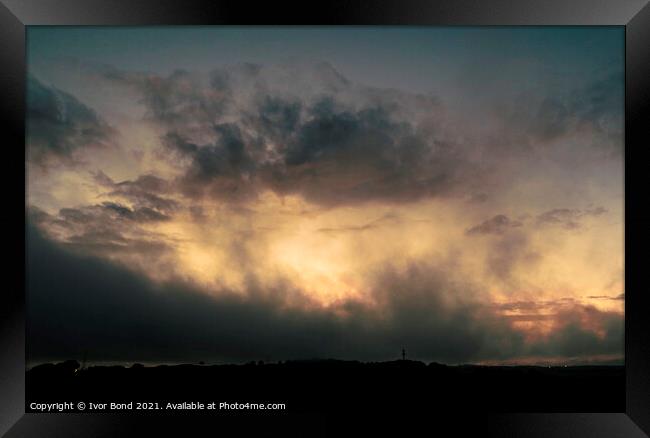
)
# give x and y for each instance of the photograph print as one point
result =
(321, 218)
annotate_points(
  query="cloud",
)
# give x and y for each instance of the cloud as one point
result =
(387, 219)
(58, 124)
(563, 217)
(567, 218)
(221, 170)
(105, 229)
(607, 297)
(496, 225)
(137, 214)
(278, 117)
(235, 267)
(573, 336)
(145, 192)
(305, 129)
(345, 157)
(536, 306)
(110, 313)
(511, 251)
(243, 130)
(600, 106)
(511, 247)
(595, 108)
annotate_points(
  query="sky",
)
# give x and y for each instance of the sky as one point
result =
(226, 194)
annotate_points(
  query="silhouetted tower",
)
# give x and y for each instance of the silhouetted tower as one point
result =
(403, 354)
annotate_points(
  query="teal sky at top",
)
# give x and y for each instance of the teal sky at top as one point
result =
(422, 59)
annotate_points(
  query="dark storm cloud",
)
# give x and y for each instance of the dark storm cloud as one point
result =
(277, 117)
(220, 170)
(496, 225)
(109, 313)
(332, 158)
(146, 192)
(58, 124)
(573, 339)
(104, 229)
(571, 336)
(342, 157)
(245, 130)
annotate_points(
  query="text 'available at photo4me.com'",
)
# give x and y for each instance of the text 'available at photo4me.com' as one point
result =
(83, 406)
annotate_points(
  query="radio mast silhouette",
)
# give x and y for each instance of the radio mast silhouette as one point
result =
(403, 354)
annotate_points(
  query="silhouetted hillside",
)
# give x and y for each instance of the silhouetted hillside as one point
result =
(322, 385)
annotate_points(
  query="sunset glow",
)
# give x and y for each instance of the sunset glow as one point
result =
(426, 202)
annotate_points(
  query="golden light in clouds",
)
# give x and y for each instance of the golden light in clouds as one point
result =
(328, 254)
(293, 182)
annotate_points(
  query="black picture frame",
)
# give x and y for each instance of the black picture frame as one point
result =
(634, 15)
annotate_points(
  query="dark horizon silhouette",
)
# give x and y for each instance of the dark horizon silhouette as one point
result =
(84, 362)
(202, 198)
(330, 384)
